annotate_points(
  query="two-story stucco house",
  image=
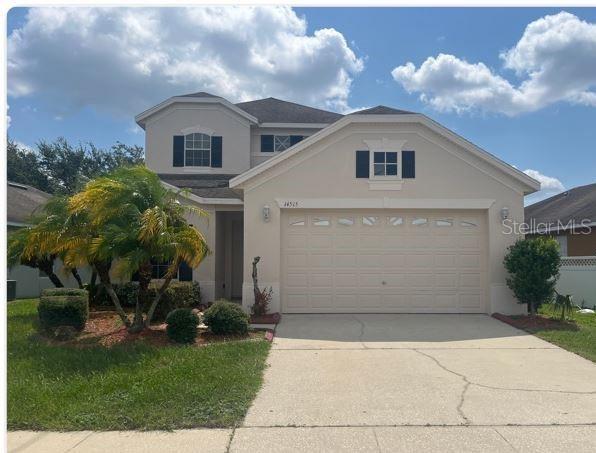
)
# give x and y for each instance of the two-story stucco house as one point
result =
(382, 210)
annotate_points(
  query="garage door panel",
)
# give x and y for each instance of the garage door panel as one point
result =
(470, 301)
(346, 280)
(320, 260)
(369, 260)
(393, 260)
(470, 261)
(347, 301)
(321, 280)
(320, 301)
(342, 260)
(296, 260)
(297, 280)
(386, 265)
(321, 242)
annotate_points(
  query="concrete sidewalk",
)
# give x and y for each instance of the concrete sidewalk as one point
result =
(445, 439)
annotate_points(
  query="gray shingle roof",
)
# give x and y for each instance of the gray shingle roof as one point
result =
(198, 94)
(23, 201)
(381, 110)
(206, 186)
(273, 110)
(576, 204)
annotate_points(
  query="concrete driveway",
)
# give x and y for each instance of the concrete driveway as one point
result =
(419, 383)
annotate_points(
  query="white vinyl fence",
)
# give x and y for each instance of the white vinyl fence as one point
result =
(578, 278)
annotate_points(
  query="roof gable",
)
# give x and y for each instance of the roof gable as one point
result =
(529, 184)
(200, 97)
(381, 110)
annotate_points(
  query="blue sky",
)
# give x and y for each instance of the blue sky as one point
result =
(533, 107)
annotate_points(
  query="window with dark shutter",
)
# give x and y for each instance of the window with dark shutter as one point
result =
(216, 152)
(178, 151)
(266, 143)
(362, 164)
(184, 272)
(295, 139)
(408, 164)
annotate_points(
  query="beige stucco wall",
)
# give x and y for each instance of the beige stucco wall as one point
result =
(444, 170)
(164, 125)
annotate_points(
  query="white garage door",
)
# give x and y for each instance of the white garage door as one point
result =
(383, 261)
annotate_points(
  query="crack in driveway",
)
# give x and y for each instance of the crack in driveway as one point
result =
(491, 387)
(467, 384)
(362, 326)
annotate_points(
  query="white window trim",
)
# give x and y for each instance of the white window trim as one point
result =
(197, 167)
(384, 182)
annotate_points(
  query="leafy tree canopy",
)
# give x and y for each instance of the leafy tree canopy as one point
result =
(60, 168)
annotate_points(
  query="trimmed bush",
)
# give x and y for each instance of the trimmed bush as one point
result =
(225, 318)
(182, 325)
(178, 295)
(63, 307)
(533, 266)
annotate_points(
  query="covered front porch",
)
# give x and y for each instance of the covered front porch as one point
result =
(228, 251)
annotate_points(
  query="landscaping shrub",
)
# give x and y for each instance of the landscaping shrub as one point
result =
(178, 295)
(533, 266)
(224, 318)
(63, 307)
(182, 325)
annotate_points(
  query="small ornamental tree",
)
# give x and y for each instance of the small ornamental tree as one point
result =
(533, 266)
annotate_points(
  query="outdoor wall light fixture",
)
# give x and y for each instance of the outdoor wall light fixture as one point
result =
(504, 213)
(266, 213)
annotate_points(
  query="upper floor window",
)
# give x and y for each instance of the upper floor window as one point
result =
(384, 163)
(281, 142)
(278, 143)
(197, 150)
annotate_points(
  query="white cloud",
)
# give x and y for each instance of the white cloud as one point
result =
(126, 59)
(549, 186)
(555, 58)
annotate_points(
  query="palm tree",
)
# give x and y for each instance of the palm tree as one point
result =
(48, 230)
(38, 244)
(19, 252)
(133, 220)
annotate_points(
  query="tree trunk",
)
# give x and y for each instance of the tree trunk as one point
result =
(103, 271)
(48, 267)
(142, 296)
(255, 282)
(157, 298)
(532, 309)
(77, 277)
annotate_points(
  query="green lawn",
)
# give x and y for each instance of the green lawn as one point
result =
(127, 386)
(581, 341)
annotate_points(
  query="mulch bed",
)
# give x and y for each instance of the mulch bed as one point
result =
(269, 318)
(104, 328)
(535, 323)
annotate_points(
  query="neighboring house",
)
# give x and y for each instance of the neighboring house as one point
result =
(382, 210)
(22, 202)
(569, 217)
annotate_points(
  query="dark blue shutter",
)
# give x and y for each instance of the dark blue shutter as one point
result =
(178, 151)
(184, 272)
(362, 164)
(216, 152)
(408, 164)
(295, 139)
(266, 143)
